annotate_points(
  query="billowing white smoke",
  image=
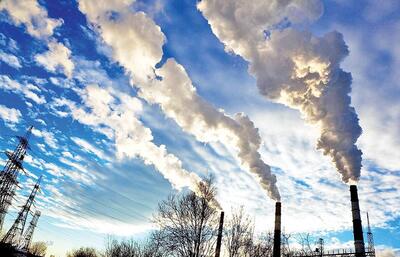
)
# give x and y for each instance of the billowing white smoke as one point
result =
(137, 42)
(178, 99)
(114, 114)
(294, 67)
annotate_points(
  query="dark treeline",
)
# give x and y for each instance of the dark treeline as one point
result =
(188, 226)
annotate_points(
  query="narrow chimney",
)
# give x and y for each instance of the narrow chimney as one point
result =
(357, 226)
(277, 232)
(219, 238)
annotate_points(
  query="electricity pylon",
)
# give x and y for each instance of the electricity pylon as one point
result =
(8, 176)
(371, 247)
(14, 234)
(27, 238)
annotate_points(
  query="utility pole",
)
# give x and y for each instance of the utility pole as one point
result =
(371, 247)
(14, 235)
(27, 238)
(219, 238)
(8, 176)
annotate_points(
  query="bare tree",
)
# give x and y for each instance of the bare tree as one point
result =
(130, 248)
(260, 247)
(187, 223)
(38, 248)
(305, 242)
(238, 234)
(83, 252)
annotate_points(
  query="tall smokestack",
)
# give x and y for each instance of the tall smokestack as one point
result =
(219, 238)
(357, 226)
(277, 232)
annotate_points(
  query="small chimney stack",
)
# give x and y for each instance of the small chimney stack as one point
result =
(219, 238)
(277, 231)
(357, 226)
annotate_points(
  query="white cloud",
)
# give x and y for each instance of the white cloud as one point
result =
(387, 252)
(35, 18)
(10, 116)
(41, 122)
(32, 15)
(104, 226)
(8, 43)
(57, 57)
(10, 59)
(67, 154)
(114, 114)
(47, 136)
(86, 146)
(27, 90)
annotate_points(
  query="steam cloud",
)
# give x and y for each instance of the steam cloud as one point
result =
(114, 114)
(294, 67)
(137, 43)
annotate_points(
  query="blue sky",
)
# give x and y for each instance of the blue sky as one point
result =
(111, 147)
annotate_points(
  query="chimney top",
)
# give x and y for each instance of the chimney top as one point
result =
(353, 193)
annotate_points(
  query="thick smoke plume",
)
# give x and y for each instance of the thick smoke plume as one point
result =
(136, 42)
(114, 114)
(294, 67)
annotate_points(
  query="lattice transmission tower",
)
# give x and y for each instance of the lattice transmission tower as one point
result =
(371, 247)
(27, 238)
(14, 234)
(8, 176)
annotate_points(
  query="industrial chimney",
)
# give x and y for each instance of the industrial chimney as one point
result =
(277, 232)
(219, 238)
(357, 226)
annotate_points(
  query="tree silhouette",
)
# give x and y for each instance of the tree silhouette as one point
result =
(187, 222)
(83, 252)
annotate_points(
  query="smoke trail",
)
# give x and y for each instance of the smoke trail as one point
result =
(137, 42)
(294, 67)
(178, 99)
(114, 114)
